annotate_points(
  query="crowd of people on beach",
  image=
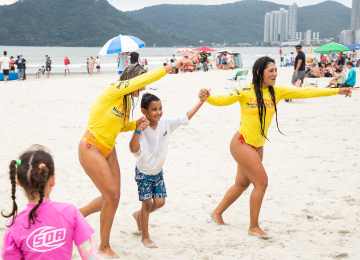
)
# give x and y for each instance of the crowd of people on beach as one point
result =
(48, 224)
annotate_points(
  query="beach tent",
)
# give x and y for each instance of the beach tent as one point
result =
(206, 49)
(222, 51)
(355, 46)
(122, 43)
(330, 47)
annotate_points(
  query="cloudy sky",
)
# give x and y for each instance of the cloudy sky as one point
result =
(126, 6)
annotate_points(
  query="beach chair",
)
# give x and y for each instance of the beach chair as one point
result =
(239, 76)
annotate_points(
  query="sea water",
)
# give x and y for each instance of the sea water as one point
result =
(35, 56)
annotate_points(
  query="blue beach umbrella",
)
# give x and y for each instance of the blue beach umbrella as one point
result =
(122, 43)
(354, 46)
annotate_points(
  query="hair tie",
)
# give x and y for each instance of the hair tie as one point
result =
(40, 201)
(41, 165)
(18, 162)
(13, 197)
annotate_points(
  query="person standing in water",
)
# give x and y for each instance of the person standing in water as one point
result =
(258, 103)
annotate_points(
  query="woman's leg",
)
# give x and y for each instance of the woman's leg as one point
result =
(99, 171)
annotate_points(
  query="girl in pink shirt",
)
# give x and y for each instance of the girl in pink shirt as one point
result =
(45, 229)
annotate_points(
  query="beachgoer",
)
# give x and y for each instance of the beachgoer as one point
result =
(5, 66)
(143, 62)
(97, 61)
(20, 67)
(45, 229)
(314, 72)
(39, 72)
(351, 78)
(204, 58)
(258, 103)
(299, 66)
(339, 79)
(147, 65)
(24, 67)
(110, 115)
(135, 58)
(12, 64)
(150, 147)
(67, 65)
(91, 66)
(48, 65)
(87, 65)
(121, 59)
(228, 61)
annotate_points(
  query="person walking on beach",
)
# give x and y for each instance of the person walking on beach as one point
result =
(110, 115)
(97, 61)
(5, 66)
(20, 67)
(258, 103)
(91, 67)
(299, 66)
(48, 65)
(67, 65)
(135, 58)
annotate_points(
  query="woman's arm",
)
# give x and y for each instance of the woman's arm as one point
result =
(225, 100)
(296, 93)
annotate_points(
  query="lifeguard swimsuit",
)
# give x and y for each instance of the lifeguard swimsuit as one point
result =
(107, 114)
(250, 123)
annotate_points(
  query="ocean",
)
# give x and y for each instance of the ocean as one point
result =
(35, 56)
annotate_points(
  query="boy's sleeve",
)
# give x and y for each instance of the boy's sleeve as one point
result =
(10, 250)
(139, 154)
(82, 229)
(175, 122)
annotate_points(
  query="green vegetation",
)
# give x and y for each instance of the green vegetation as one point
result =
(241, 21)
(74, 23)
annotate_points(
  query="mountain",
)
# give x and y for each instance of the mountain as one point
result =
(240, 21)
(73, 23)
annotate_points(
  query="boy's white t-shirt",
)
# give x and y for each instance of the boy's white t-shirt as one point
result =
(154, 144)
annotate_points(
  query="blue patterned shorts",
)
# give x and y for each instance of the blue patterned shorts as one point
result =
(150, 186)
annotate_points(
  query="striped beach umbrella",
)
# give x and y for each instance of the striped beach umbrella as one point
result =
(122, 43)
(184, 50)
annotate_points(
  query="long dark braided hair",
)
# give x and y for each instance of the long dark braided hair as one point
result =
(130, 72)
(258, 73)
(31, 178)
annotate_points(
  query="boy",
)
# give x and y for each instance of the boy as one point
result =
(150, 147)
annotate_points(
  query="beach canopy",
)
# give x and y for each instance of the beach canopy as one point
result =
(184, 50)
(204, 49)
(122, 43)
(222, 51)
(354, 46)
(330, 47)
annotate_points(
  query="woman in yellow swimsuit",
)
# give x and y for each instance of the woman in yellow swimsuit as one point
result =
(258, 103)
(110, 115)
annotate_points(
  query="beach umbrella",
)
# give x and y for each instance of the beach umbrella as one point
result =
(330, 47)
(354, 46)
(184, 50)
(204, 49)
(122, 43)
(225, 50)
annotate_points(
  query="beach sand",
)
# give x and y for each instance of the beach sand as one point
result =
(311, 207)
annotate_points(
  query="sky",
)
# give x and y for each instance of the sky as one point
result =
(126, 6)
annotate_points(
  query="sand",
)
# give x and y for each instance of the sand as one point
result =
(312, 205)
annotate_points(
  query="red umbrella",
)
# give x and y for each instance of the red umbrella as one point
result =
(204, 49)
(184, 50)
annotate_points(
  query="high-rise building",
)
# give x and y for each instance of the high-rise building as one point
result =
(267, 28)
(293, 22)
(308, 37)
(355, 15)
(272, 26)
(347, 37)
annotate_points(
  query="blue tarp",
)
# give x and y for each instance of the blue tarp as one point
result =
(12, 76)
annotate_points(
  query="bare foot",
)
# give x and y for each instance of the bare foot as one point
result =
(136, 217)
(108, 253)
(258, 232)
(218, 218)
(148, 243)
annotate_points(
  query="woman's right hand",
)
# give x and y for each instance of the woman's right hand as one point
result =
(142, 123)
(346, 91)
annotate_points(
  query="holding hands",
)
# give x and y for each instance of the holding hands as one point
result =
(142, 123)
(204, 94)
(346, 91)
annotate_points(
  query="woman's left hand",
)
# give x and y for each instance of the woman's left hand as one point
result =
(346, 91)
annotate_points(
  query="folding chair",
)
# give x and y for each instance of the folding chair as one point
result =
(237, 78)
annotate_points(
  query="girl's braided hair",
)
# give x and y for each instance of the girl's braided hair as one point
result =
(258, 73)
(131, 71)
(31, 178)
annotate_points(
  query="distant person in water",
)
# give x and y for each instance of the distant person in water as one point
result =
(67, 65)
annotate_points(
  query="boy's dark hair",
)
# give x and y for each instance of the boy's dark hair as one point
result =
(5, 53)
(164, 64)
(171, 60)
(31, 178)
(147, 99)
(350, 63)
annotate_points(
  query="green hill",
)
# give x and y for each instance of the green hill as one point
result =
(240, 21)
(73, 23)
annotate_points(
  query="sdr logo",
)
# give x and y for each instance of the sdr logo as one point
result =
(46, 239)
